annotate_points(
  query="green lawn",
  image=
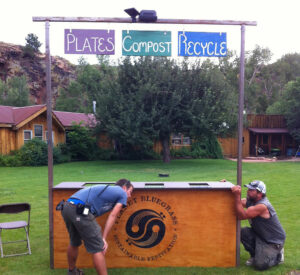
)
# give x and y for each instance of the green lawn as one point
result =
(31, 184)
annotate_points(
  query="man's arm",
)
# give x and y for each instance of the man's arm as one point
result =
(109, 223)
(249, 213)
(244, 202)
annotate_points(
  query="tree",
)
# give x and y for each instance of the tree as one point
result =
(78, 96)
(32, 45)
(72, 99)
(284, 70)
(122, 110)
(290, 105)
(155, 97)
(257, 84)
(3, 92)
(150, 98)
(15, 92)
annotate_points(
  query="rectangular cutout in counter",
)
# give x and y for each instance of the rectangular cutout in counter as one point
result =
(155, 185)
(199, 184)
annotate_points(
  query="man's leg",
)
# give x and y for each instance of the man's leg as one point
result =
(99, 263)
(266, 255)
(72, 256)
(248, 240)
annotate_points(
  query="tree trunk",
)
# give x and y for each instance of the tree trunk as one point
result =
(166, 149)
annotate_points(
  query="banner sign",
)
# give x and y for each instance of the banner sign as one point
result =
(89, 41)
(146, 43)
(208, 44)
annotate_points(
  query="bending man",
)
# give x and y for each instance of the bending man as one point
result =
(265, 238)
(79, 214)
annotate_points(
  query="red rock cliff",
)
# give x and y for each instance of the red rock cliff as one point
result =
(13, 63)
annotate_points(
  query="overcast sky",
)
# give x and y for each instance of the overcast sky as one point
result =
(278, 22)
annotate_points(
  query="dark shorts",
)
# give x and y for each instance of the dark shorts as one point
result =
(82, 228)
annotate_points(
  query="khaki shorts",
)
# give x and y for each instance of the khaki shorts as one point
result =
(82, 228)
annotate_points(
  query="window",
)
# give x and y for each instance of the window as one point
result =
(180, 139)
(27, 135)
(186, 141)
(176, 140)
(38, 131)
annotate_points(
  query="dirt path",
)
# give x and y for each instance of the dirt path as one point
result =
(265, 159)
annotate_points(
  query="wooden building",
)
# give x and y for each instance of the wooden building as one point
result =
(20, 124)
(263, 135)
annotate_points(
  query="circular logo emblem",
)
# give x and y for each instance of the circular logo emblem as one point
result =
(145, 228)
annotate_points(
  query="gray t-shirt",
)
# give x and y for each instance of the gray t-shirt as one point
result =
(270, 230)
(101, 203)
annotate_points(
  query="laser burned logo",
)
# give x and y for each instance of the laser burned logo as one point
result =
(146, 230)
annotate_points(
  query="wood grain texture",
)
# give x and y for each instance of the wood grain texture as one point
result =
(200, 230)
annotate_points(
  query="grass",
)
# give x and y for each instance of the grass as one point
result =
(31, 184)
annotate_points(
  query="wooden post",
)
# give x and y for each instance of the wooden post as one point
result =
(256, 145)
(240, 134)
(50, 144)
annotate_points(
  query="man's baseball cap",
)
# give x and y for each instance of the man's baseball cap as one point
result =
(257, 185)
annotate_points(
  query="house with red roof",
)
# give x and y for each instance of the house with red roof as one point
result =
(267, 133)
(20, 124)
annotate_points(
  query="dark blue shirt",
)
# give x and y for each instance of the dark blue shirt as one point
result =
(101, 203)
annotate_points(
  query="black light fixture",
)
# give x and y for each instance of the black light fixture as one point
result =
(132, 13)
(146, 16)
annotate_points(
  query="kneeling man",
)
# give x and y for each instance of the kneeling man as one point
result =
(265, 238)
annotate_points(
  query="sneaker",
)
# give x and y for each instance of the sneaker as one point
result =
(281, 256)
(75, 271)
(250, 261)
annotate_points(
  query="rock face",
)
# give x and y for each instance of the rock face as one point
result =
(13, 63)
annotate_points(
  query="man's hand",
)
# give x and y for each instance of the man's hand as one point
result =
(236, 190)
(109, 223)
(105, 246)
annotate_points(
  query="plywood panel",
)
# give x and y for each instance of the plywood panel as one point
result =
(188, 228)
(7, 140)
(230, 145)
(266, 121)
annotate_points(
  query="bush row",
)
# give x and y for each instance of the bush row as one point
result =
(206, 147)
(82, 146)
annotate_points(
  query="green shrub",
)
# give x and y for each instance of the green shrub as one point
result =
(137, 154)
(81, 145)
(183, 152)
(150, 155)
(10, 161)
(207, 147)
(106, 154)
(34, 153)
(58, 156)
